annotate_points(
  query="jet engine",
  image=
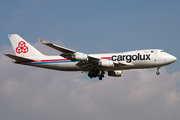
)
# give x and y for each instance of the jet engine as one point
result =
(80, 57)
(107, 63)
(117, 73)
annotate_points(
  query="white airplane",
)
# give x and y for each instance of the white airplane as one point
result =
(94, 64)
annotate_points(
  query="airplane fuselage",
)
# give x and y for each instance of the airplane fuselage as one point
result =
(139, 59)
(94, 64)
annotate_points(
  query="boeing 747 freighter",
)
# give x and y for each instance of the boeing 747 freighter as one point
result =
(95, 64)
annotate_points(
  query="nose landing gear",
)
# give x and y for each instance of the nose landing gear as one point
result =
(157, 73)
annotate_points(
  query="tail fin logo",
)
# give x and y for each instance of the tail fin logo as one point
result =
(22, 48)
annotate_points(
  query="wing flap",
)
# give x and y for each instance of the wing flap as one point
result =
(85, 65)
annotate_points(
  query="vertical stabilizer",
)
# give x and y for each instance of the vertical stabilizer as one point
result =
(21, 47)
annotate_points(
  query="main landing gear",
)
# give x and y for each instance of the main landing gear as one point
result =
(96, 73)
(157, 73)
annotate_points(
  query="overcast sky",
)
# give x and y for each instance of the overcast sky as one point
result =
(95, 26)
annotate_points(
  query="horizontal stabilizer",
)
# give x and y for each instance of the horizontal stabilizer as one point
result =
(18, 58)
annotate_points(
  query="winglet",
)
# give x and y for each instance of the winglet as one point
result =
(42, 41)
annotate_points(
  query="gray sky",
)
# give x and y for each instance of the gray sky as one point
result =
(90, 27)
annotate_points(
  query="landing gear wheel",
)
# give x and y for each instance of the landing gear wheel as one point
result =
(157, 73)
(96, 73)
(90, 75)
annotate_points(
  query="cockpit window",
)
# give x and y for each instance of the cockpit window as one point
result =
(162, 51)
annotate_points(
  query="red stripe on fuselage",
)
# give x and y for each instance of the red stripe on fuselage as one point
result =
(105, 57)
(55, 60)
(42, 61)
(36, 61)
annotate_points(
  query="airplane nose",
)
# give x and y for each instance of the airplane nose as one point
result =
(173, 58)
(170, 58)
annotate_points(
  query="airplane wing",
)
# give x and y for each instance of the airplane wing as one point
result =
(67, 52)
(86, 62)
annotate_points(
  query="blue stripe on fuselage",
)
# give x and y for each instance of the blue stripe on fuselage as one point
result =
(46, 62)
(33, 63)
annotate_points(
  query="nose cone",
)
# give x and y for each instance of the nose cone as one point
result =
(172, 58)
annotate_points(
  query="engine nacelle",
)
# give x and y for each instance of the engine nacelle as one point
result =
(117, 73)
(107, 63)
(80, 57)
